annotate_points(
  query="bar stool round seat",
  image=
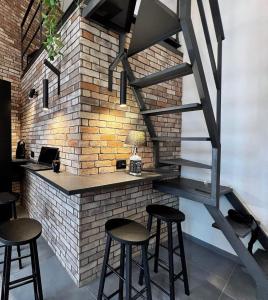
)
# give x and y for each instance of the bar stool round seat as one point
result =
(165, 213)
(127, 231)
(7, 197)
(16, 233)
(19, 231)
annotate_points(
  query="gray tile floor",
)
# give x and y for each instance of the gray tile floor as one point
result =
(211, 277)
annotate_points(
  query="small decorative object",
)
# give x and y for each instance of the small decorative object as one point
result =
(21, 151)
(56, 166)
(135, 139)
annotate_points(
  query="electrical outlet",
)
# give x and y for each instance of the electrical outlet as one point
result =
(32, 154)
(121, 164)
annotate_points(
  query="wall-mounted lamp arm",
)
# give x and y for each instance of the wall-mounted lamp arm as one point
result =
(54, 70)
(116, 61)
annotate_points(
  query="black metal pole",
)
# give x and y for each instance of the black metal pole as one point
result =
(123, 88)
(45, 93)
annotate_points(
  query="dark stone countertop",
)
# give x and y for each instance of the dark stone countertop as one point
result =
(73, 184)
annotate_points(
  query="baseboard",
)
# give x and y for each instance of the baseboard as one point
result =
(212, 248)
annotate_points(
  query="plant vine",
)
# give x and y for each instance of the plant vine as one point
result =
(51, 12)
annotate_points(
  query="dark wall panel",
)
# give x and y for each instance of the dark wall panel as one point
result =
(5, 135)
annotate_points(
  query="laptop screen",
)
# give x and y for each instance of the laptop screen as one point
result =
(47, 155)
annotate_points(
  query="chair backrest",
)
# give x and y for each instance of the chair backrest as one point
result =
(5, 212)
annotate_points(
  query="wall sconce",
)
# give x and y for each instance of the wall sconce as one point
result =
(123, 89)
(45, 94)
(32, 94)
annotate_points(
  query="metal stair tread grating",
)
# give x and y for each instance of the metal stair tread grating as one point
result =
(241, 230)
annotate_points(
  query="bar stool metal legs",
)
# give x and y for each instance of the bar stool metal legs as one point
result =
(6, 273)
(122, 272)
(104, 267)
(183, 260)
(171, 262)
(36, 271)
(128, 233)
(128, 271)
(157, 244)
(146, 271)
(7, 285)
(14, 208)
(170, 216)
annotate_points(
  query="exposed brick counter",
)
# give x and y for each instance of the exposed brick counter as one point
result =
(73, 225)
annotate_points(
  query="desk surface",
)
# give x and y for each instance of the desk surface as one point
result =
(74, 184)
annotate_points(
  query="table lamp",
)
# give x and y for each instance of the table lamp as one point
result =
(135, 139)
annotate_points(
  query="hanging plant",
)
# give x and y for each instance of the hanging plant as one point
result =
(51, 13)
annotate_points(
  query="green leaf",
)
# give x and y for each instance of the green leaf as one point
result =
(52, 42)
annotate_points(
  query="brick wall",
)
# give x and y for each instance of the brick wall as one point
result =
(86, 121)
(73, 226)
(104, 123)
(88, 125)
(11, 13)
(59, 126)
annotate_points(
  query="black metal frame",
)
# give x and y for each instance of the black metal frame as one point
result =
(117, 60)
(54, 70)
(210, 199)
(125, 267)
(169, 267)
(35, 278)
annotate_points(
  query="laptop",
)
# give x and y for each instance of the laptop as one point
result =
(46, 156)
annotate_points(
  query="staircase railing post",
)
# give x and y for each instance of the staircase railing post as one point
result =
(215, 176)
(219, 71)
(198, 70)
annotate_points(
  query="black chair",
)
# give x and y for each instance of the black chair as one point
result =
(8, 211)
(128, 233)
(17, 233)
(170, 216)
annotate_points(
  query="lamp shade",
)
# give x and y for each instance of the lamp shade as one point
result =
(136, 138)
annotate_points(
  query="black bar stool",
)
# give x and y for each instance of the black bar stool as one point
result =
(170, 216)
(8, 211)
(128, 233)
(17, 233)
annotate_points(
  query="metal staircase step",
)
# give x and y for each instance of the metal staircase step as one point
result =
(241, 230)
(261, 257)
(162, 76)
(196, 139)
(184, 162)
(172, 110)
(178, 139)
(171, 44)
(188, 188)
